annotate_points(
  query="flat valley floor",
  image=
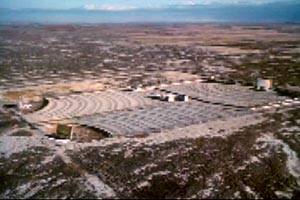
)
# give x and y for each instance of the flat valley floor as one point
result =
(227, 141)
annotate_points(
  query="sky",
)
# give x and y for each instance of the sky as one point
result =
(124, 11)
(118, 4)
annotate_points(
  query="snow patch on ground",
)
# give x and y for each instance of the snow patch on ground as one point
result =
(206, 193)
(160, 173)
(143, 184)
(254, 159)
(237, 194)
(143, 168)
(293, 130)
(94, 184)
(211, 188)
(15, 144)
(250, 191)
(23, 189)
(293, 163)
(283, 195)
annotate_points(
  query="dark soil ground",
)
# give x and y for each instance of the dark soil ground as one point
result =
(258, 161)
(201, 168)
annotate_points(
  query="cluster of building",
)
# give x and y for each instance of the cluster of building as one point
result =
(170, 97)
(173, 97)
(23, 105)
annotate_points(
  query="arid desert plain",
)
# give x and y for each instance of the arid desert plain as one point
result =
(156, 111)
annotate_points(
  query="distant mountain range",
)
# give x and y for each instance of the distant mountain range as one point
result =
(241, 12)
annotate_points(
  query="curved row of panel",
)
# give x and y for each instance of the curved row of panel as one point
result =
(87, 104)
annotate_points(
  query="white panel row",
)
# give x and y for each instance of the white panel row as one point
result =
(87, 104)
(156, 118)
(225, 94)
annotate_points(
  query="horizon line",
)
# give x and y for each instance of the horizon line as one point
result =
(114, 8)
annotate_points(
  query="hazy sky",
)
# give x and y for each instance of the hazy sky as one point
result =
(116, 4)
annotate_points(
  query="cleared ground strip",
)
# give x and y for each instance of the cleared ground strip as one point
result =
(88, 104)
(156, 118)
(234, 95)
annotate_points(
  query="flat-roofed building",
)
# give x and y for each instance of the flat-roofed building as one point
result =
(265, 84)
(182, 98)
(170, 97)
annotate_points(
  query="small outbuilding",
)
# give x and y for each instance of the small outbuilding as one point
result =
(64, 131)
(184, 98)
(264, 84)
(137, 87)
(212, 79)
(170, 97)
(22, 105)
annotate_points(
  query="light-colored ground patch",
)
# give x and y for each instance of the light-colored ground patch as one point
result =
(37, 91)
(294, 130)
(210, 186)
(206, 34)
(293, 162)
(102, 190)
(174, 76)
(224, 50)
(11, 144)
(283, 195)
(250, 191)
(15, 144)
(219, 69)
